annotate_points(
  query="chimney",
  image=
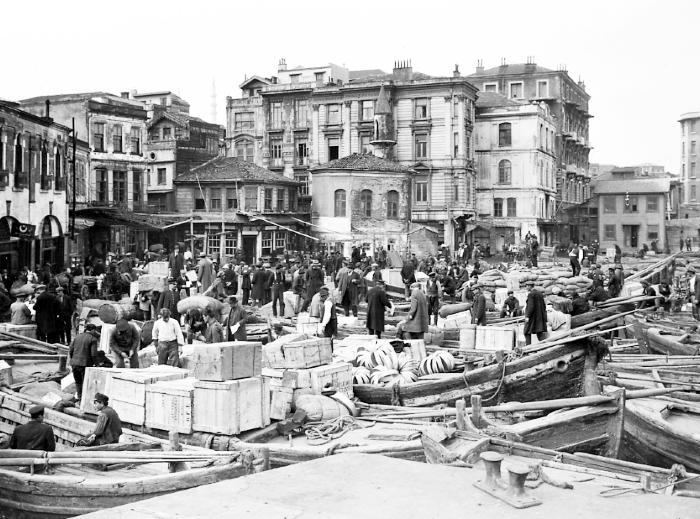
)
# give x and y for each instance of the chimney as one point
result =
(48, 109)
(530, 66)
(503, 63)
(125, 95)
(282, 65)
(455, 72)
(403, 71)
(479, 66)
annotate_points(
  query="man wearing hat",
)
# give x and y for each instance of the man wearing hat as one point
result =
(236, 320)
(34, 435)
(20, 313)
(169, 298)
(168, 338)
(245, 284)
(478, 307)
(328, 327)
(535, 314)
(377, 303)
(109, 425)
(511, 306)
(47, 316)
(83, 354)
(417, 322)
(205, 272)
(342, 279)
(124, 344)
(313, 282)
(278, 285)
(65, 305)
(268, 281)
(433, 290)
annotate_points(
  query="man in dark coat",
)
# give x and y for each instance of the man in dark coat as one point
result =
(377, 302)
(314, 282)
(230, 281)
(535, 315)
(418, 320)
(479, 307)
(579, 305)
(65, 304)
(125, 343)
(258, 285)
(268, 281)
(35, 434)
(511, 306)
(278, 285)
(534, 251)
(47, 316)
(83, 354)
(245, 284)
(176, 261)
(169, 298)
(235, 322)
(408, 276)
(109, 426)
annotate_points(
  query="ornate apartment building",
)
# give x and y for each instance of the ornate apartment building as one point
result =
(307, 117)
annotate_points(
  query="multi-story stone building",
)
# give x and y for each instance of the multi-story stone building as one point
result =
(690, 162)
(114, 128)
(514, 146)
(33, 182)
(568, 105)
(310, 116)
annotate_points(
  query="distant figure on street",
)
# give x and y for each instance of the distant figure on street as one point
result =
(417, 322)
(205, 272)
(83, 354)
(688, 244)
(408, 276)
(479, 307)
(377, 302)
(535, 314)
(47, 316)
(328, 327)
(235, 322)
(167, 335)
(511, 306)
(34, 435)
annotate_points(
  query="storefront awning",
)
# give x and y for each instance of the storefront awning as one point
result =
(118, 216)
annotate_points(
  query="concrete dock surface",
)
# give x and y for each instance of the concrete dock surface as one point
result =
(349, 486)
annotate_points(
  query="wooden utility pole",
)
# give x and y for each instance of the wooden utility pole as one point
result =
(72, 217)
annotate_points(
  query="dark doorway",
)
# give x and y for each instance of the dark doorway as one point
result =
(631, 235)
(249, 248)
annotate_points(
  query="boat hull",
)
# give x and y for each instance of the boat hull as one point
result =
(668, 344)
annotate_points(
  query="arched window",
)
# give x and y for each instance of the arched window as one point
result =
(392, 204)
(504, 172)
(340, 203)
(504, 134)
(44, 180)
(244, 150)
(366, 203)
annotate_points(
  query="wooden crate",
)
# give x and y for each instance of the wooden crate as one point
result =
(95, 381)
(281, 402)
(227, 360)
(338, 375)
(467, 337)
(5, 374)
(159, 268)
(127, 390)
(301, 354)
(169, 405)
(25, 330)
(232, 406)
(148, 282)
(493, 338)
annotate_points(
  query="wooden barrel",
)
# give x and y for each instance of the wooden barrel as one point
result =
(111, 312)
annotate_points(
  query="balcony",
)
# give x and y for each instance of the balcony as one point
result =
(276, 163)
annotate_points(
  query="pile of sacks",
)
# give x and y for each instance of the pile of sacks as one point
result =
(553, 281)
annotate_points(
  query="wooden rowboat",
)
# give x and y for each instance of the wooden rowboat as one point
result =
(667, 343)
(554, 372)
(80, 486)
(663, 432)
(640, 322)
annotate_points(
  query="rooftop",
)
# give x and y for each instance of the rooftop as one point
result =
(607, 184)
(364, 162)
(494, 99)
(513, 68)
(179, 118)
(232, 169)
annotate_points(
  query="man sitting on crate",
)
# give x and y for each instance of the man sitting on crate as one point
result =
(167, 335)
(511, 306)
(109, 426)
(125, 343)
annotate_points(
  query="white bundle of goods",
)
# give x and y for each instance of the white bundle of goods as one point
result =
(438, 362)
(361, 375)
(385, 356)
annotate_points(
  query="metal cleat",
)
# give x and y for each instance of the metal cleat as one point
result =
(514, 493)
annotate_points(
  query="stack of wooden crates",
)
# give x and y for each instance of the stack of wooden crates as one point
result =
(297, 363)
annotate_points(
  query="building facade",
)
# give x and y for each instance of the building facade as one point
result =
(633, 208)
(239, 211)
(362, 200)
(568, 104)
(690, 163)
(33, 183)
(115, 129)
(306, 117)
(516, 189)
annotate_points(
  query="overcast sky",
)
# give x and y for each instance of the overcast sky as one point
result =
(638, 59)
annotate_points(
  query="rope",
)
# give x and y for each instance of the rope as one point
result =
(323, 432)
(500, 385)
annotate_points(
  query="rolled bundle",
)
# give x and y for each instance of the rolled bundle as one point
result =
(24, 290)
(111, 312)
(95, 304)
(199, 303)
(448, 310)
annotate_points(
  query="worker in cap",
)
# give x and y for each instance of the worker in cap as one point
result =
(511, 306)
(109, 426)
(328, 327)
(124, 344)
(35, 434)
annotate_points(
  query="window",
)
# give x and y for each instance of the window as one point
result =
(251, 198)
(245, 150)
(498, 207)
(421, 146)
(80, 178)
(161, 177)
(682, 149)
(504, 134)
(117, 139)
(631, 204)
(215, 198)
(652, 204)
(542, 88)
(319, 78)
(340, 209)
(275, 147)
(101, 185)
(683, 171)
(119, 187)
(266, 242)
(213, 243)
(231, 243)
(280, 240)
(421, 108)
(692, 126)
(692, 147)
(136, 177)
(136, 141)
(167, 133)
(333, 148)
(276, 115)
(295, 192)
(504, 172)
(231, 198)
(44, 181)
(3, 152)
(392, 204)
(268, 199)
(301, 113)
(366, 203)
(367, 110)
(692, 170)
(243, 121)
(302, 151)
(455, 192)
(333, 115)
(303, 177)
(422, 192)
(154, 134)
(199, 204)
(610, 232)
(99, 136)
(516, 90)
(294, 78)
(365, 146)
(490, 87)
(512, 207)
(280, 199)
(455, 145)
(609, 204)
(652, 232)
(163, 101)
(693, 193)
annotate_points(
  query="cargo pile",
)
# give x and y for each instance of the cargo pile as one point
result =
(553, 281)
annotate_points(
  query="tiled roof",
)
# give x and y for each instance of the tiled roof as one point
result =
(514, 68)
(233, 169)
(179, 118)
(494, 99)
(636, 185)
(63, 97)
(364, 162)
